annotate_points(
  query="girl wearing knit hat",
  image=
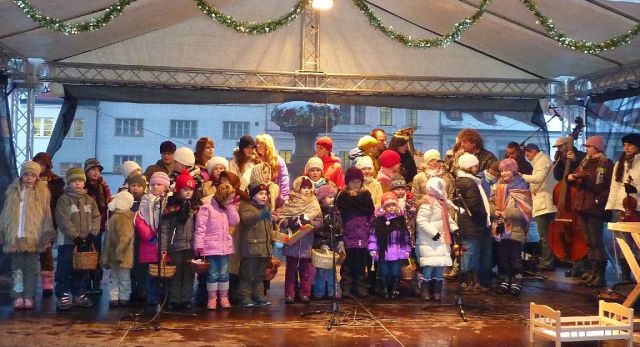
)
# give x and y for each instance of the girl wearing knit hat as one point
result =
(128, 169)
(147, 226)
(356, 210)
(176, 236)
(244, 158)
(592, 179)
(26, 227)
(215, 167)
(332, 170)
(474, 226)
(370, 183)
(389, 244)
(313, 170)
(432, 166)
(389, 165)
(511, 207)
(324, 284)
(301, 210)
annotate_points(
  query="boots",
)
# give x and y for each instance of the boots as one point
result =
(437, 290)
(516, 285)
(46, 277)
(223, 294)
(598, 280)
(504, 285)
(385, 284)
(589, 274)
(212, 291)
(395, 287)
(425, 290)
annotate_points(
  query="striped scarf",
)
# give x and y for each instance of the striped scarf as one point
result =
(506, 195)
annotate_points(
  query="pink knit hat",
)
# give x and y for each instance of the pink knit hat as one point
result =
(508, 165)
(595, 141)
(160, 177)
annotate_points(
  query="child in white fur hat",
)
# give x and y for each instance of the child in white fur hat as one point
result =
(365, 164)
(117, 250)
(128, 169)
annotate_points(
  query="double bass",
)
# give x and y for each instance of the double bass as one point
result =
(566, 238)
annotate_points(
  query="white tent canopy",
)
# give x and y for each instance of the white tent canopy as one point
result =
(505, 43)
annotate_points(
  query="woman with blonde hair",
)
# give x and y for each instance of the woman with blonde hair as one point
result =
(268, 154)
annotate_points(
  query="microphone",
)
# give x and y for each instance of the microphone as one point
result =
(555, 113)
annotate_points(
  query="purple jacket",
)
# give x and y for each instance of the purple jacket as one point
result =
(212, 228)
(282, 181)
(356, 231)
(396, 250)
(356, 213)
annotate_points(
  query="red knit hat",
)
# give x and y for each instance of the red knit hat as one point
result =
(389, 198)
(184, 180)
(389, 158)
(325, 142)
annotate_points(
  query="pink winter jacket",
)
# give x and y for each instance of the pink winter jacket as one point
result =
(212, 228)
(148, 241)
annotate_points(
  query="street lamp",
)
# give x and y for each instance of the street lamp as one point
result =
(322, 4)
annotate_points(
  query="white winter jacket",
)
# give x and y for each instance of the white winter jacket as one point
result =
(617, 192)
(429, 223)
(541, 189)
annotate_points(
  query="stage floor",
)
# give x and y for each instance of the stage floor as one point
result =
(493, 320)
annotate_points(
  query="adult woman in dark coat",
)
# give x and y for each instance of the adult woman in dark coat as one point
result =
(408, 169)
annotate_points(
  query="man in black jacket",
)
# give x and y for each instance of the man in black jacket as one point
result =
(566, 151)
(516, 153)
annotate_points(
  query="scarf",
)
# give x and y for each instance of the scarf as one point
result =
(319, 183)
(485, 201)
(384, 226)
(299, 204)
(435, 197)
(515, 192)
(150, 208)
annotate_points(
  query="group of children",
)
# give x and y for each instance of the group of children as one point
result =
(178, 217)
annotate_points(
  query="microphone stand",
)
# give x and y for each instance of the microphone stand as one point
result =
(457, 249)
(336, 314)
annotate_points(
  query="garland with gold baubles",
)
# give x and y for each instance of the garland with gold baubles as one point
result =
(272, 25)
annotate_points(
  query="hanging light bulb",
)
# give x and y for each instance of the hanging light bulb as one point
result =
(322, 4)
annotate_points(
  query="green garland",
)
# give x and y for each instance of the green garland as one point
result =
(409, 41)
(252, 27)
(580, 45)
(58, 25)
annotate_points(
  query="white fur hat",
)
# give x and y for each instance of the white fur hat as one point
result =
(437, 186)
(364, 161)
(217, 161)
(467, 161)
(128, 167)
(184, 156)
(121, 201)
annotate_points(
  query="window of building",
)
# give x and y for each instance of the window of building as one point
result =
(184, 129)
(235, 130)
(358, 116)
(286, 155)
(385, 116)
(344, 156)
(412, 118)
(42, 126)
(121, 158)
(77, 129)
(345, 114)
(129, 127)
(64, 166)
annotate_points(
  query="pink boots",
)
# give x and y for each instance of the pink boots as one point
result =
(224, 294)
(47, 283)
(212, 289)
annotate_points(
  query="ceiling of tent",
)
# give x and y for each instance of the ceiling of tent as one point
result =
(505, 43)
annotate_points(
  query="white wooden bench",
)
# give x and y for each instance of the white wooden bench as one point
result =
(613, 322)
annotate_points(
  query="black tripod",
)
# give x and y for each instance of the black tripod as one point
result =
(336, 314)
(457, 251)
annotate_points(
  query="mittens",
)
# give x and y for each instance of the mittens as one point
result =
(436, 237)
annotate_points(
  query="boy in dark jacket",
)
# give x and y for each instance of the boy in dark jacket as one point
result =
(176, 232)
(255, 230)
(356, 210)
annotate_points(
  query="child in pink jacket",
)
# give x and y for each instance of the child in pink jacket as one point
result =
(147, 222)
(213, 240)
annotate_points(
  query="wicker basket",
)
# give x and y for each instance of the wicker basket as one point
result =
(408, 272)
(198, 267)
(165, 271)
(85, 261)
(324, 260)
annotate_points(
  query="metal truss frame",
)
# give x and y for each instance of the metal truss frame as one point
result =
(299, 81)
(619, 78)
(22, 117)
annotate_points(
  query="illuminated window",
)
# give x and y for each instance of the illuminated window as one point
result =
(286, 155)
(42, 126)
(386, 117)
(77, 128)
(129, 127)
